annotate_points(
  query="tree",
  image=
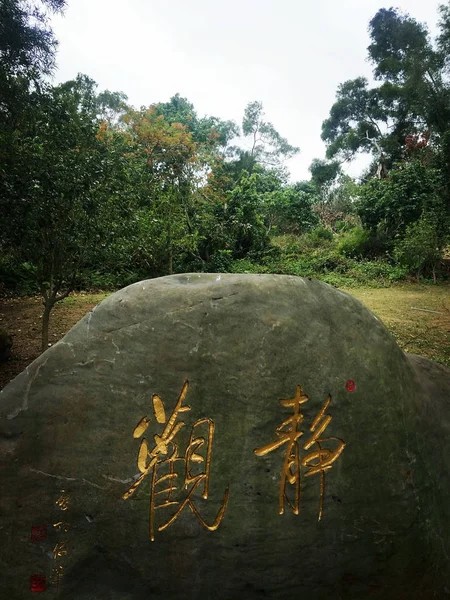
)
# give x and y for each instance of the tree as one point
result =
(421, 246)
(243, 222)
(327, 178)
(290, 208)
(27, 52)
(111, 106)
(164, 154)
(267, 146)
(205, 130)
(412, 98)
(54, 215)
(27, 45)
(358, 122)
(323, 175)
(387, 207)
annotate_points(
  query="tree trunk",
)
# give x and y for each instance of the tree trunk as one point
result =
(170, 260)
(48, 305)
(170, 249)
(434, 274)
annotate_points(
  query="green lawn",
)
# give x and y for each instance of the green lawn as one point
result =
(416, 331)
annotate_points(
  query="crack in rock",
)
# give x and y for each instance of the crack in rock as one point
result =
(24, 406)
(129, 480)
(61, 477)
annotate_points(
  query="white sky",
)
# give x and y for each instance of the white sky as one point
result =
(289, 54)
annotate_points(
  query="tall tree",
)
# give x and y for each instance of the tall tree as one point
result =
(27, 44)
(164, 153)
(55, 219)
(412, 98)
(267, 146)
(27, 51)
(209, 133)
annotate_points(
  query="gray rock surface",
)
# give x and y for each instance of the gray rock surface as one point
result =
(378, 470)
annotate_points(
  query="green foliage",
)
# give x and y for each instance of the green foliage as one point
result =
(17, 276)
(324, 173)
(388, 206)
(27, 55)
(412, 99)
(53, 167)
(244, 227)
(420, 248)
(111, 106)
(356, 121)
(27, 44)
(221, 261)
(355, 243)
(58, 211)
(319, 236)
(208, 132)
(284, 208)
(268, 147)
(97, 194)
(303, 257)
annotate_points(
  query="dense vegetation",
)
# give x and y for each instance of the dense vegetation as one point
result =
(95, 193)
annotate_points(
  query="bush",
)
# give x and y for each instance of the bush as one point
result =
(318, 236)
(324, 263)
(17, 277)
(220, 261)
(244, 265)
(354, 243)
(419, 249)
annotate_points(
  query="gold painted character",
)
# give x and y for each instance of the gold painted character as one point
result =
(63, 501)
(322, 459)
(60, 549)
(288, 433)
(317, 461)
(164, 456)
(57, 575)
(61, 526)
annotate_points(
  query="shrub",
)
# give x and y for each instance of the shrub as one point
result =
(420, 247)
(221, 261)
(354, 243)
(319, 235)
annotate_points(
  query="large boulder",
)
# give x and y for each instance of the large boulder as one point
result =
(228, 437)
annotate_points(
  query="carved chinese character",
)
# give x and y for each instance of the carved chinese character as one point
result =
(161, 462)
(317, 461)
(61, 526)
(57, 575)
(63, 501)
(59, 550)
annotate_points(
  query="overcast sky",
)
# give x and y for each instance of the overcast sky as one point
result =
(289, 54)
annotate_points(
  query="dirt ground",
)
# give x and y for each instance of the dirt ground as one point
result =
(425, 331)
(21, 318)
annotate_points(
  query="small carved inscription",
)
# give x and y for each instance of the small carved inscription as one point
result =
(60, 549)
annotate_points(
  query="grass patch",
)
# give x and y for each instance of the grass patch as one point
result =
(82, 298)
(416, 331)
